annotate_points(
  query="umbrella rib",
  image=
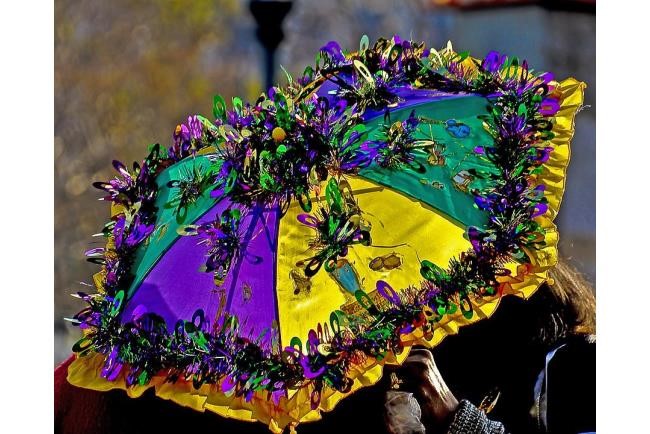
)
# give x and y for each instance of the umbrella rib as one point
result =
(276, 303)
(240, 257)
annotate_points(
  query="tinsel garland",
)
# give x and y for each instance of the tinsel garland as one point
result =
(280, 149)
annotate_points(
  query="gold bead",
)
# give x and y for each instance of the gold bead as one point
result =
(278, 134)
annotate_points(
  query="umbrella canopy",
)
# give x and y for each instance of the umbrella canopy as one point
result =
(272, 260)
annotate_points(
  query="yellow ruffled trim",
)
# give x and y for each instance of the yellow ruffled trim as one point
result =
(85, 371)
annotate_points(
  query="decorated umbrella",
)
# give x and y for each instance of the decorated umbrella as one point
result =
(275, 258)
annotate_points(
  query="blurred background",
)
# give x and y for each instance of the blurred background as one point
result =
(127, 71)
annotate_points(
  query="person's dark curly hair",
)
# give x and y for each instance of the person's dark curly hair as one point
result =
(566, 306)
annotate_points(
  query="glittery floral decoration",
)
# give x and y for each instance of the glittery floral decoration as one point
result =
(222, 238)
(338, 226)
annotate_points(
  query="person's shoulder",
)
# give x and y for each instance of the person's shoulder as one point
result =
(576, 355)
(571, 382)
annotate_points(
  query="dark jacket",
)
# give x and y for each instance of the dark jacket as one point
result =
(562, 399)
